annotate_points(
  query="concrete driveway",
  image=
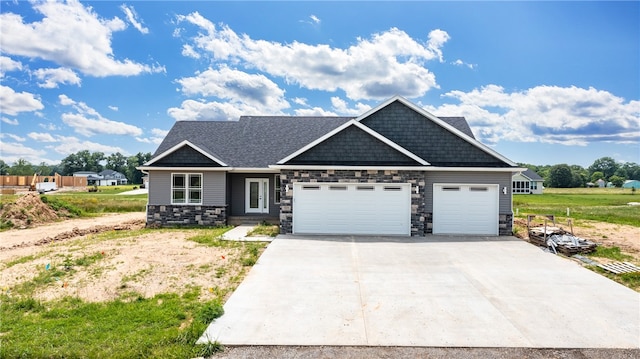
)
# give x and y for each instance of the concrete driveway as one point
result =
(434, 291)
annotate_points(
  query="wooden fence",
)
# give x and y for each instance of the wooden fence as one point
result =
(25, 181)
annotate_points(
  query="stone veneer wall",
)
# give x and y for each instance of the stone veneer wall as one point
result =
(181, 215)
(416, 178)
(505, 225)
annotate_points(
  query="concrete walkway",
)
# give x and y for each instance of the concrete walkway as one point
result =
(239, 233)
(438, 291)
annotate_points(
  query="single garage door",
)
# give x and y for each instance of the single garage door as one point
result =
(465, 209)
(353, 208)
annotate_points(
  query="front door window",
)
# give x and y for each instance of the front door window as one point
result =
(257, 195)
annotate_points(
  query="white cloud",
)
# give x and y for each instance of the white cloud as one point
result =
(9, 121)
(315, 19)
(437, 39)
(158, 132)
(70, 35)
(15, 137)
(12, 151)
(132, 16)
(189, 51)
(157, 136)
(547, 114)
(41, 137)
(242, 94)
(341, 107)
(459, 62)
(300, 101)
(49, 126)
(191, 110)
(8, 64)
(70, 144)
(88, 122)
(12, 102)
(237, 86)
(314, 111)
(386, 64)
(53, 77)
(113, 108)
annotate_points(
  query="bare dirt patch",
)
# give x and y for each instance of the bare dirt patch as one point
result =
(101, 268)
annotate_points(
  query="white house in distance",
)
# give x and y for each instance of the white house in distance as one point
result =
(104, 178)
(527, 182)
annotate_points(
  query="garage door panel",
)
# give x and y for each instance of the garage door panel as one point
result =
(352, 209)
(465, 209)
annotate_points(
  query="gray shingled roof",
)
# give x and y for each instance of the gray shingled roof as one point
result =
(530, 174)
(260, 141)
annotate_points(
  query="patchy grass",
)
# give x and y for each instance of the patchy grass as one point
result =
(601, 204)
(20, 260)
(89, 204)
(265, 230)
(165, 326)
(612, 253)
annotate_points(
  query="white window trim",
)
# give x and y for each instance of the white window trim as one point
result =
(187, 189)
(277, 189)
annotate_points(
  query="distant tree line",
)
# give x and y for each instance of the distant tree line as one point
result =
(559, 176)
(82, 161)
(569, 176)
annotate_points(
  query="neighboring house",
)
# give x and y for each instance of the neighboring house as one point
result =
(527, 182)
(601, 183)
(111, 178)
(395, 170)
(631, 184)
(104, 178)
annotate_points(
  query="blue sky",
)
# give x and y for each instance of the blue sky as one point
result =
(540, 82)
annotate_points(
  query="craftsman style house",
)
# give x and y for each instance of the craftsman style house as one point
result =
(395, 170)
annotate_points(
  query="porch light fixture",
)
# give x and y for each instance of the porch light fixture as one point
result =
(504, 190)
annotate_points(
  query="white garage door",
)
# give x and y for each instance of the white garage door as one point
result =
(362, 208)
(465, 209)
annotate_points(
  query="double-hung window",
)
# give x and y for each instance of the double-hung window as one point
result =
(186, 188)
(276, 189)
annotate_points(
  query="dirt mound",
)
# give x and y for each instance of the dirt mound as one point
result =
(27, 210)
(79, 232)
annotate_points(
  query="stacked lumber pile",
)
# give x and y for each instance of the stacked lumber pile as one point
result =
(557, 239)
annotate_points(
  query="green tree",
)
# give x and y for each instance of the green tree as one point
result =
(134, 175)
(21, 167)
(606, 165)
(617, 181)
(117, 162)
(631, 170)
(82, 161)
(43, 169)
(4, 168)
(595, 176)
(560, 176)
(579, 175)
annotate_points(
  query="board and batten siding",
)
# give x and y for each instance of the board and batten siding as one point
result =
(213, 187)
(503, 179)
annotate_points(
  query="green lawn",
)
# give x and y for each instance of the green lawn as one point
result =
(598, 204)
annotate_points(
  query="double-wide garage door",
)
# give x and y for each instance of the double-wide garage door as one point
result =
(465, 209)
(352, 208)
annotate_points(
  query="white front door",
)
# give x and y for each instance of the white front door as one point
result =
(257, 195)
